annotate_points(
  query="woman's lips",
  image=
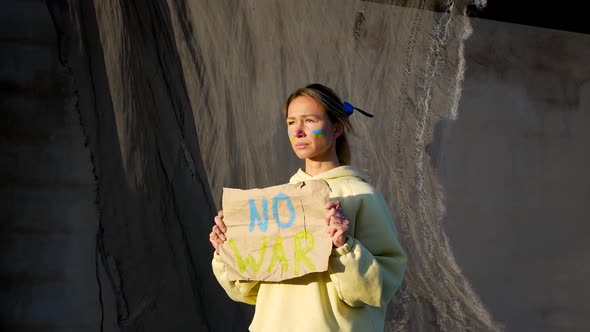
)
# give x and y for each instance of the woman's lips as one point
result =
(301, 145)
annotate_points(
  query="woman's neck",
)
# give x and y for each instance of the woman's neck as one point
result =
(314, 168)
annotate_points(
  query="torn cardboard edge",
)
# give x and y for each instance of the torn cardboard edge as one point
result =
(276, 233)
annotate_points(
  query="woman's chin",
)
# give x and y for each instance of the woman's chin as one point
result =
(301, 156)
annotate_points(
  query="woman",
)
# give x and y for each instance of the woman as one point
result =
(367, 263)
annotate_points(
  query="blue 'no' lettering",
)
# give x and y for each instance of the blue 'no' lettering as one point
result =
(275, 210)
(263, 221)
(255, 217)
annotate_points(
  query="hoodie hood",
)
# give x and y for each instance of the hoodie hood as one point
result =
(338, 172)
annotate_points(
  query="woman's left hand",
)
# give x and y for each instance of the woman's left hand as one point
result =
(337, 223)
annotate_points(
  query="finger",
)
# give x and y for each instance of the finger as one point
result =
(341, 218)
(218, 233)
(340, 214)
(332, 230)
(335, 221)
(214, 243)
(221, 237)
(339, 238)
(331, 212)
(215, 237)
(336, 240)
(345, 223)
(332, 204)
(329, 216)
(340, 225)
(219, 222)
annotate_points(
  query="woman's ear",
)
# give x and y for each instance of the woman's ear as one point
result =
(338, 129)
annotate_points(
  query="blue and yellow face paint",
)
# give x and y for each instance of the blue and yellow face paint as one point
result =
(317, 133)
(290, 137)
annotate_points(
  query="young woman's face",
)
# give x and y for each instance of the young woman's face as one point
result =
(312, 134)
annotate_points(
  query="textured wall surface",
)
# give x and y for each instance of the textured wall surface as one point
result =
(122, 120)
(518, 186)
(48, 266)
(108, 207)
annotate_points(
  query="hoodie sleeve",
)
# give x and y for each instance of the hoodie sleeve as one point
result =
(239, 290)
(370, 266)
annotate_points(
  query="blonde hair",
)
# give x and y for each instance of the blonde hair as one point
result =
(334, 107)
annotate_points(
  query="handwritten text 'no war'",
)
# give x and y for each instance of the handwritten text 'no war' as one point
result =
(303, 240)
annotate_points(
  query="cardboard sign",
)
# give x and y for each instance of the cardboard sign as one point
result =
(276, 233)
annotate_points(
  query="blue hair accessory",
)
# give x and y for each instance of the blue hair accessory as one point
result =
(349, 109)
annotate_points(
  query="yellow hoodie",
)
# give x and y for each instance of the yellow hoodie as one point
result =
(362, 275)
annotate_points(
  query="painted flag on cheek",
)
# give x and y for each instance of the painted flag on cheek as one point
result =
(317, 133)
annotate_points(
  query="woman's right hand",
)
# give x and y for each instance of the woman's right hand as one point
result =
(217, 236)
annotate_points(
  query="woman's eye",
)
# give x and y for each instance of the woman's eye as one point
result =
(309, 120)
(290, 123)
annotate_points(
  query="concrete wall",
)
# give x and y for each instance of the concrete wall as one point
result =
(106, 214)
(517, 175)
(49, 219)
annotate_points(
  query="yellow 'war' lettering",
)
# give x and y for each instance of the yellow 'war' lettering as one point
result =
(249, 261)
(300, 253)
(278, 255)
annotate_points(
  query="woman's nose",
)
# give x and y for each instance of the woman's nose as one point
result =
(299, 131)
